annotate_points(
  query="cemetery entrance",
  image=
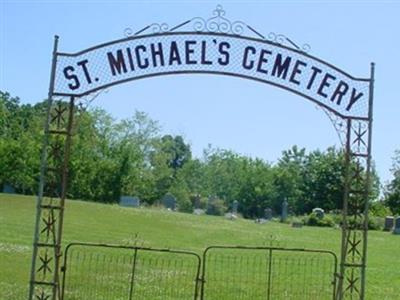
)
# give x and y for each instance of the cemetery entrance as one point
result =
(204, 46)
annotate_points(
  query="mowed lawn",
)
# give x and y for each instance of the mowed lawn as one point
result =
(92, 222)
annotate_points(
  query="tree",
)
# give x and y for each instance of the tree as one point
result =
(289, 180)
(392, 192)
(177, 151)
(20, 144)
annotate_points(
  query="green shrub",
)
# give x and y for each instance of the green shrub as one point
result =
(313, 220)
(216, 207)
(374, 223)
(379, 209)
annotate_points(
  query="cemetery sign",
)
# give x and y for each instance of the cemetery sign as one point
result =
(212, 53)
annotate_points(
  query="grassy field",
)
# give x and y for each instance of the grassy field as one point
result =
(90, 222)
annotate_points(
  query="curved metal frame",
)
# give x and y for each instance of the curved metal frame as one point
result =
(47, 252)
(218, 34)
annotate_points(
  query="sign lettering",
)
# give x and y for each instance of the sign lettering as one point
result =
(174, 53)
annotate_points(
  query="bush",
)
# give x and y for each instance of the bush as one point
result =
(374, 223)
(379, 209)
(216, 207)
(201, 201)
(313, 220)
(182, 199)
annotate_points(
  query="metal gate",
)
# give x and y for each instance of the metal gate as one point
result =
(107, 272)
(268, 273)
(100, 272)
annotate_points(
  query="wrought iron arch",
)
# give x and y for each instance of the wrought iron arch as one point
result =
(347, 100)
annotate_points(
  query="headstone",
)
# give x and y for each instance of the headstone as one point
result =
(297, 224)
(169, 201)
(198, 211)
(8, 189)
(235, 205)
(129, 201)
(260, 221)
(268, 213)
(230, 216)
(197, 202)
(397, 226)
(319, 212)
(389, 223)
(210, 201)
(284, 213)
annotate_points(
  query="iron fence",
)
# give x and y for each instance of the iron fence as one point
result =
(106, 272)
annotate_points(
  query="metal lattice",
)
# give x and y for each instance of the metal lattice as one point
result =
(50, 209)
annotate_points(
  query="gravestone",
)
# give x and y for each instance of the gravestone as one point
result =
(319, 212)
(235, 205)
(197, 202)
(268, 213)
(230, 216)
(297, 224)
(8, 189)
(389, 223)
(169, 201)
(397, 226)
(260, 221)
(198, 211)
(209, 208)
(284, 213)
(129, 201)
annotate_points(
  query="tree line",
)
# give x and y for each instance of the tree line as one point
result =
(132, 156)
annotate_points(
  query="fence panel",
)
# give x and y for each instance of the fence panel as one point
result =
(237, 273)
(104, 272)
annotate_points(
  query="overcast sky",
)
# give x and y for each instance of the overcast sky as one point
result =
(248, 117)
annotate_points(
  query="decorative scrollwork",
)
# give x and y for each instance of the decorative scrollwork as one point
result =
(218, 23)
(199, 24)
(306, 48)
(277, 38)
(154, 28)
(238, 27)
(159, 28)
(282, 39)
(338, 123)
(128, 32)
(84, 102)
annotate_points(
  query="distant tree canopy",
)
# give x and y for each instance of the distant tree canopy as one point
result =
(392, 191)
(111, 158)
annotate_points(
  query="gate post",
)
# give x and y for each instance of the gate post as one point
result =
(45, 268)
(357, 188)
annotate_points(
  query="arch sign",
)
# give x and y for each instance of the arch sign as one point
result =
(205, 46)
(213, 53)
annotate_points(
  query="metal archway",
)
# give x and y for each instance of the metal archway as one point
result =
(212, 46)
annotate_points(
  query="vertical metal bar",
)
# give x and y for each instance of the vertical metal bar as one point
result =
(345, 229)
(64, 270)
(203, 275)
(269, 274)
(368, 180)
(43, 166)
(334, 277)
(64, 184)
(133, 274)
(198, 278)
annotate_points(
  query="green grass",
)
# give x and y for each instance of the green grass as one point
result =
(91, 222)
